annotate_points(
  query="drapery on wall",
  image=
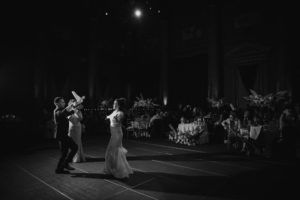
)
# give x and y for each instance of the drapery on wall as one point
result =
(238, 80)
(247, 67)
(248, 75)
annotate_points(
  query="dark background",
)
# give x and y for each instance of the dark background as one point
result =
(189, 51)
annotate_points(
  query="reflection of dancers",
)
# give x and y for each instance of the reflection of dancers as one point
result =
(75, 130)
(65, 142)
(115, 156)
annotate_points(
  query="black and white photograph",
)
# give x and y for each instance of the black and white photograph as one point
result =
(149, 99)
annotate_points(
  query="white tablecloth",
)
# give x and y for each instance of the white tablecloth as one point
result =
(255, 131)
(191, 128)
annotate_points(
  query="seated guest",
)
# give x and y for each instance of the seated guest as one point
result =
(287, 126)
(231, 126)
(157, 116)
(256, 121)
(187, 113)
(156, 125)
(244, 128)
(195, 114)
(218, 132)
(182, 120)
(204, 134)
(244, 123)
(255, 139)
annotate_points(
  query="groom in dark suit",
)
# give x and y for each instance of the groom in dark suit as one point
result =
(65, 142)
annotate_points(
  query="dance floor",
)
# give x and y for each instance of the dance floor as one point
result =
(162, 170)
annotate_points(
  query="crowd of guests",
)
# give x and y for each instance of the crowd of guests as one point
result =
(276, 130)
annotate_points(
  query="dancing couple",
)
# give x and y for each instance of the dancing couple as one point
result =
(115, 156)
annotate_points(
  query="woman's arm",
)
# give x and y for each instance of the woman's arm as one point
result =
(66, 111)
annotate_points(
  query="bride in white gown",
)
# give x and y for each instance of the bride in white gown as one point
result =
(75, 130)
(115, 156)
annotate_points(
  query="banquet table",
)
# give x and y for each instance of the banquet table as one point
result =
(191, 134)
(139, 128)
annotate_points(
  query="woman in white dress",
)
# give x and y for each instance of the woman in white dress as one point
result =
(115, 156)
(75, 130)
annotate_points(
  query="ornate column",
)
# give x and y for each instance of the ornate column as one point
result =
(214, 52)
(164, 62)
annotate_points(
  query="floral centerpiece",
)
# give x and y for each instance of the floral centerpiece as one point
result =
(273, 101)
(255, 99)
(143, 106)
(189, 134)
(215, 103)
(268, 100)
(141, 113)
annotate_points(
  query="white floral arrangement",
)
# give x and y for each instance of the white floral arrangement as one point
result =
(215, 103)
(140, 124)
(187, 137)
(268, 100)
(172, 136)
(139, 128)
(144, 103)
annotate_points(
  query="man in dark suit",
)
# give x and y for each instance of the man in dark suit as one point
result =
(65, 142)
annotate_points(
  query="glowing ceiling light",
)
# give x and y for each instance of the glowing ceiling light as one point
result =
(137, 13)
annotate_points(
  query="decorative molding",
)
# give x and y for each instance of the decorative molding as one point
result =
(248, 53)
